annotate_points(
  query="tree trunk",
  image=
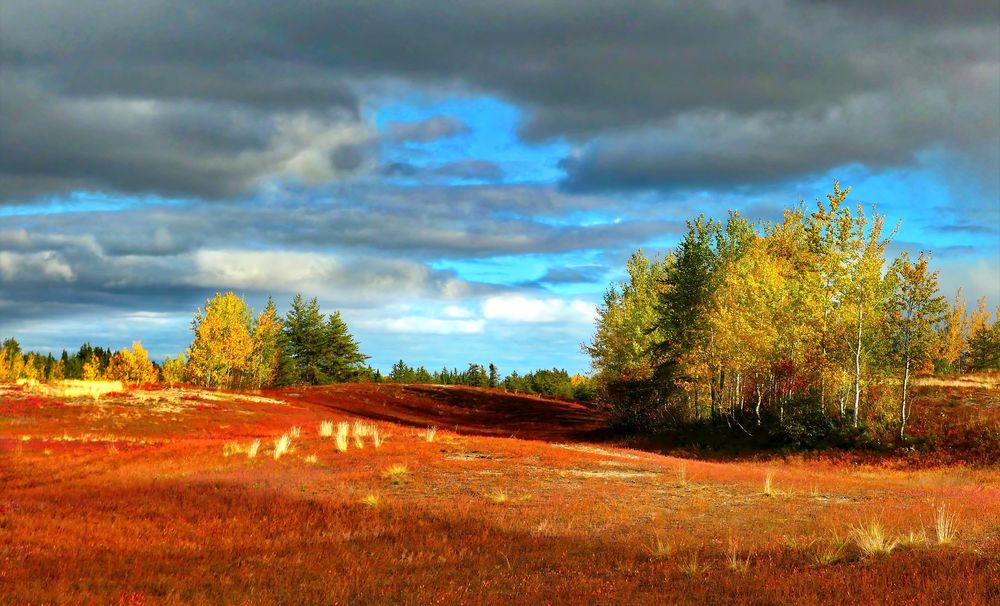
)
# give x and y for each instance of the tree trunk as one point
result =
(857, 366)
(904, 412)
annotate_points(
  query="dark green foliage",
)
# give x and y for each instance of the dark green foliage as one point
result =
(984, 348)
(316, 351)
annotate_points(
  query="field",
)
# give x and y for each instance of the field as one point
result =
(159, 497)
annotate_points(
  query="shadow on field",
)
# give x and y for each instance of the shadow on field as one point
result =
(467, 410)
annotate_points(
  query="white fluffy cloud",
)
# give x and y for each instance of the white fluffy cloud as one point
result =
(519, 308)
(427, 325)
(322, 274)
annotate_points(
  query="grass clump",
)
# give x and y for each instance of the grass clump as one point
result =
(768, 484)
(253, 448)
(343, 428)
(282, 445)
(498, 496)
(659, 549)
(431, 433)
(231, 448)
(735, 562)
(873, 540)
(311, 459)
(913, 539)
(326, 429)
(376, 437)
(830, 552)
(945, 526)
(396, 473)
(371, 499)
(693, 566)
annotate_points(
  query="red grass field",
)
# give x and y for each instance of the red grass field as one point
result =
(132, 500)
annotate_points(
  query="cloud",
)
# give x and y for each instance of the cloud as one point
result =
(726, 92)
(574, 275)
(421, 325)
(724, 149)
(519, 308)
(322, 274)
(34, 267)
(424, 131)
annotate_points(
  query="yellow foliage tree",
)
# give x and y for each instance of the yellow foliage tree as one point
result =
(222, 346)
(132, 367)
(174, 370)
(92, 368)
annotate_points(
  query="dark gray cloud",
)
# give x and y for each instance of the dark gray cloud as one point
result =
(212, 99)
(423, 131)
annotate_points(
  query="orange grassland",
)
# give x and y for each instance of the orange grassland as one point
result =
(150, 498)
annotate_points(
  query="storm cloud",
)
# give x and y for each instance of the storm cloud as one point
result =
(214, 99)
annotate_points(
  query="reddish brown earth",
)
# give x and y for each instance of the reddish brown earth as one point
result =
(150, 497)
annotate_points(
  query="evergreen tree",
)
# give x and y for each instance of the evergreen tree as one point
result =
(314, 351)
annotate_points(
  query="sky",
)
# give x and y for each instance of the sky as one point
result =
(462, 180)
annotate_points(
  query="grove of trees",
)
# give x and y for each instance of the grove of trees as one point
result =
(795, 329)
(235, 349)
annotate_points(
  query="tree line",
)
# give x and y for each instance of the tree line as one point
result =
(88, 363)
(235, 348)
(555, 382)
(797, 328)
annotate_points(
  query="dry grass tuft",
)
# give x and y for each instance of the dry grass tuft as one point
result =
(311, 459)
(945, 526)
(693, 566)
(376, 437)
(396, 473)
(74, 388)
(735, 562)
(231, 448)
(431, 433)
(253, 448)
(913, 539)
(295, 432)
(659, 549)
(829, 553)
(282, 446)
(768, 484)
(498, 496)
(873, 540)
(343, 428)
(371, 500)
(682, 475)
(326, 429)
(360, 429)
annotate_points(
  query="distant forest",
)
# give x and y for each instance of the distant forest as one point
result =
(235, 349)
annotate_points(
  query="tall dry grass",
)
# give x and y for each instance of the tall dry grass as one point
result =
(74, 388)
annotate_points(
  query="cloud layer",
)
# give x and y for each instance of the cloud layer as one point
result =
(212, 99)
